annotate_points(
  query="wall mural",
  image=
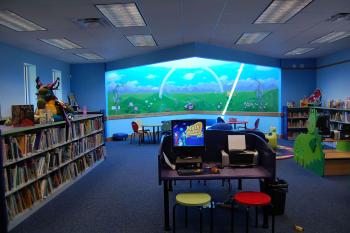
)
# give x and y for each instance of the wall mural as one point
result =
(193, 84)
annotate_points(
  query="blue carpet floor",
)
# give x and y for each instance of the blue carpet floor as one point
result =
(122, 196)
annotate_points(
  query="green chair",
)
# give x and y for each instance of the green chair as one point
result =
(199, 200)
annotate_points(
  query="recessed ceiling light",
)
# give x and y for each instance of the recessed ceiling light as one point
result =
(299, 51)
(122, 14)
(61, 43)
(17, 23)
(331, 37)
(252, 37)
(141, 40)
(90, 56)
(280, 11)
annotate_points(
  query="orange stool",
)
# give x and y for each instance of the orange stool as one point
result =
(252, 199)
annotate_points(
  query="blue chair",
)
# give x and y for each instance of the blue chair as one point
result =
(221, 126)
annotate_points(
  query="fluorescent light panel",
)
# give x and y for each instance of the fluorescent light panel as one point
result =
(280, 11)
(61, 43)
(252, 37)
(299, 51)
(17, 23)
(90, 56)
(141, 40)
(331, 37)
(122, 14)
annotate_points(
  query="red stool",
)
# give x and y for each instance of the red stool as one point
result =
(252, 199)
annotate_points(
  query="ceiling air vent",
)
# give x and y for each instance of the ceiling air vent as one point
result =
(91, 22)
(339, 17)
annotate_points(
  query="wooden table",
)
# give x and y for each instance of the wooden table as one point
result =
(234, 123)
(155, 130)
(337, 161)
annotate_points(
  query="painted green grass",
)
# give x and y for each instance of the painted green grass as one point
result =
(139, 103)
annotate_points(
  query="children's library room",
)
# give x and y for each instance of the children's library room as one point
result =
(174, 116)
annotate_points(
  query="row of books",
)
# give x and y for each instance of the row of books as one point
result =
(82, 128)
(340, 116)
(19, 146)
(341, 104)
(297, 124)
(27, 170)
(26, 197)
(298, 114)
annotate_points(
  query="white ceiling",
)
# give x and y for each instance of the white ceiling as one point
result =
(174, 22)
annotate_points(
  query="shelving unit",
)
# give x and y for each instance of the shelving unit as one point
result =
(338, 117)
(294, 121)
(39, 162)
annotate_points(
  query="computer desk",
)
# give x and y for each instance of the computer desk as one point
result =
(166, 176)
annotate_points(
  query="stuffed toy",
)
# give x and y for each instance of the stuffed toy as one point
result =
(49, 102)
(315, 98)
(272, 137)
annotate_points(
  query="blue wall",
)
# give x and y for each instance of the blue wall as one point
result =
(12, 77)
(298, 79)
(88, 85)
(333, 75)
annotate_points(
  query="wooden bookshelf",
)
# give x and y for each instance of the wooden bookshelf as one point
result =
(38, 162)
(294, 121)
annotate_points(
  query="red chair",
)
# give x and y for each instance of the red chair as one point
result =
(252, 199)
(139, 133)
(256, 125)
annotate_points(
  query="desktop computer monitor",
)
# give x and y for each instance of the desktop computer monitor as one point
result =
(188, 137)
(323, 125)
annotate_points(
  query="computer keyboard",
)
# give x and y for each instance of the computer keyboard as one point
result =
(190, 172)
(196, 171)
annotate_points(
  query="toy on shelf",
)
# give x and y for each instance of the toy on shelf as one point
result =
(291, 104)
(315, 98)
(304, 102)
(49, 107)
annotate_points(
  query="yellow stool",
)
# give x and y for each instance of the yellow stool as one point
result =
(272, 137)
(197, 200)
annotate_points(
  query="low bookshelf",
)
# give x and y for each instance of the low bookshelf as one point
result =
(39, 162)
(295, 121)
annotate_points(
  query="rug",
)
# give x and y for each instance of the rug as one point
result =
(284, 152)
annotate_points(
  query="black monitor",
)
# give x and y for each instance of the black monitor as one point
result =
(323, 125)
(188, 137)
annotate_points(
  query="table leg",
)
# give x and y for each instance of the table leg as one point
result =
(154, 135)
(143, 134)
(158, 133)
(239, 184)
(166, 206)
(245, 125)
